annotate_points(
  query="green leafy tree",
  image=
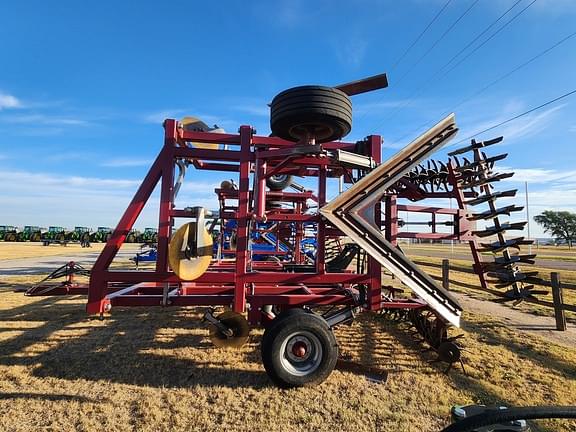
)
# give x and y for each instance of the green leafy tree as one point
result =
(560, 224)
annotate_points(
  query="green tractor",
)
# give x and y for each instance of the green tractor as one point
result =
(8, 233)
(150, 235)
(55, 233)
(133, 236)
(80, 233)
(102, 234)
(30, 233)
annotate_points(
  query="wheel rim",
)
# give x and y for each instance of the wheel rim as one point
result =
(279, 177)
(301, 353)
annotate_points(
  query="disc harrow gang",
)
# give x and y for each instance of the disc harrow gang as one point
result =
(432, 331)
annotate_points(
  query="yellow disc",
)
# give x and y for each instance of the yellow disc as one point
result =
(239, 326)
(189, 268)
(192, 124)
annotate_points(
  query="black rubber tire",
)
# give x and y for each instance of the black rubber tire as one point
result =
(324, 111)
(279, 182)
(292, 323)
(497, 416)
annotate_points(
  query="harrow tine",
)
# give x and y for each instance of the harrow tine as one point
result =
(489, 179)
(491, 214)
(476, 145)
(526, 259)
(493, 230)
(498, 247)
(511, 277)
(484, 198)
(518, 295)
(443, 167)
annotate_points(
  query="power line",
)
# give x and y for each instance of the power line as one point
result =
(517, 116)
(416, 40)
(511, 20)
(477, 37)
(516, 69)
(420, 35)
(497, 80)
(419, 90)
(448, 30)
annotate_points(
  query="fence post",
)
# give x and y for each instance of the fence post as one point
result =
(445, 274)
(558, 302)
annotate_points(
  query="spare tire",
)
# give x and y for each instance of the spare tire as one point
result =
(279, 182)
(323, 112)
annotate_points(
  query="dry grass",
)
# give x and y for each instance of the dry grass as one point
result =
(33, 250)
(155, 370)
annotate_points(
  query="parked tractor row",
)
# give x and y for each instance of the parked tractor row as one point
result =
(58, 234)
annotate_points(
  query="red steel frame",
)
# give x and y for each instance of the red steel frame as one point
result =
(243, 284)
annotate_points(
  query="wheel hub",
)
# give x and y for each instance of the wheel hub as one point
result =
(299, 349)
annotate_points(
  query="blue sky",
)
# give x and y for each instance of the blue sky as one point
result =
(84, 87)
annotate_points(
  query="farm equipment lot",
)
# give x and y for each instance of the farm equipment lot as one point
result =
(155, 369)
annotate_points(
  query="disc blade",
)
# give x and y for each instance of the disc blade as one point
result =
(189, 268)
(192, 124)
(239, 326)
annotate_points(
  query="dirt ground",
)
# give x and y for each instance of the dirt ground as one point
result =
(155, 370)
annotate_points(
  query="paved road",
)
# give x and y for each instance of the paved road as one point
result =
(43, 265)
(459, 255)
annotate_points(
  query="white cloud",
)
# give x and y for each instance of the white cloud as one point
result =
(261, 110)
(43, 119)
(9, 101)
(24, 180)
(67, 156)
(376, 108)
(126, 162)
(289, 13)
(529, 125)
(351, 51)
(158, 117)
(49, 199)
(556, 6)
(539, 175)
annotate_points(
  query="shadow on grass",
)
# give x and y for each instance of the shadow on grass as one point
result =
(47, 397)
(488, 332)
(123, 349)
